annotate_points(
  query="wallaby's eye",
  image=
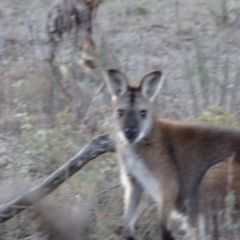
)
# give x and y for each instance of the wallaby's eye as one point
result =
(143, 113)
(120, 112)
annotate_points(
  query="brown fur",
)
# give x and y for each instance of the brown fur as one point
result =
(219, 200)
(197, 147)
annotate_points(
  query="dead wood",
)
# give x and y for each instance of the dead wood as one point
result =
(101, 144)
(72, 19)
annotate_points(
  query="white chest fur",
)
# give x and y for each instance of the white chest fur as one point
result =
(136, 167)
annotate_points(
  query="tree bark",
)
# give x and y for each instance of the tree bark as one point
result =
(101, 144)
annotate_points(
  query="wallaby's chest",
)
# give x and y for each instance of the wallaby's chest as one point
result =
(136, 166)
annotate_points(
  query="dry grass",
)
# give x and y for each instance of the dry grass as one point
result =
(195, 43)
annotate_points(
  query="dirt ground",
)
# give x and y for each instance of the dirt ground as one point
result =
(191, 42)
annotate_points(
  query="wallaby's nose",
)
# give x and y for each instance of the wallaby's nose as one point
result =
(131, 133)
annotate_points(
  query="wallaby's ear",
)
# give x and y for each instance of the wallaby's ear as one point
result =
(116, 83)
(151, 85)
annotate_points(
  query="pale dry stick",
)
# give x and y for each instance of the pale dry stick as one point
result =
(32, 39)
(204, 78)
(235, 91)
(192, 88)
(224, 84)
(215, 84)
(178, 17)
(99, 145)
(92, 100)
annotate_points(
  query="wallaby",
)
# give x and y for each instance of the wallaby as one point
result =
(167, 159)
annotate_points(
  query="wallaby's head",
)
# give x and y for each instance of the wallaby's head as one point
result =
(133, 105)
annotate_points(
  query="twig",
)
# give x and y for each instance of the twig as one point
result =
(109, 189)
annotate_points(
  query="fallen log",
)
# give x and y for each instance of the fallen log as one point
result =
(101, 144)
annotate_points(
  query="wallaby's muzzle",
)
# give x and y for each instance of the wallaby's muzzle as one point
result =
(131, 134)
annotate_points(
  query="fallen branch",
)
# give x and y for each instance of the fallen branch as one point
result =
(101, 144)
